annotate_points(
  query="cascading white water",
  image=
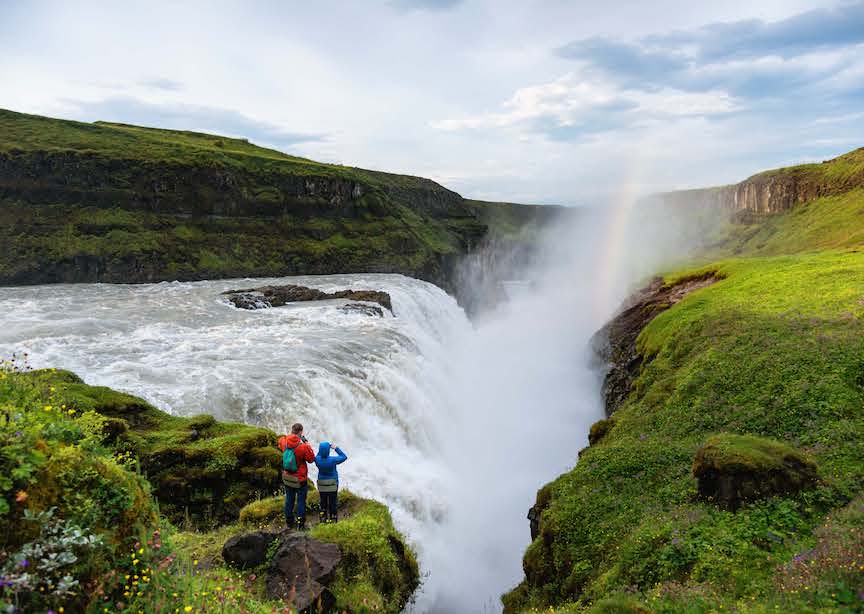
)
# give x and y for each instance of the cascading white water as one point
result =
(453, 424)
(370, 384)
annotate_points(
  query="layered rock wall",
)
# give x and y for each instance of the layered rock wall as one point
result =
(780, 190)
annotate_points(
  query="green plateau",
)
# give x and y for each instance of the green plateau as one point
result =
(105, 202)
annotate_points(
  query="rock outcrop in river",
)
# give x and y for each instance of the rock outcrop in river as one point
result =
(277, 296)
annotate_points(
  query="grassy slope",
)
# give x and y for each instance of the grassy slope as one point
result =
(33, 133)
(839, 174)
(828, 223)
(91, 454)
(100, 215)
(775, 349)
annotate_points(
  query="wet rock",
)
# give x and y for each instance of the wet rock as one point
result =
(734, 469)
(369, 310)
(276, 296)
(248, 550)
(615, 343)
(300, 572)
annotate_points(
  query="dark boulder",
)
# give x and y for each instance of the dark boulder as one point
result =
(734, 469)
(277, 296)
(300, 572)
(369, 310)
(248, 550)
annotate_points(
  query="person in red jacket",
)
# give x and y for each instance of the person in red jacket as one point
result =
(296, 485)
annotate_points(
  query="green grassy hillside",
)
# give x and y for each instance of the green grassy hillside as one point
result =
(773, 350)
(118, 203)
(830, 222)
(836, 175)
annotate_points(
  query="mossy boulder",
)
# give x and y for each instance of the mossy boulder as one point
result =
(70, 508)
(115, 502)
(378, 571)
(200, 469)
(599, 430)
(734, 469)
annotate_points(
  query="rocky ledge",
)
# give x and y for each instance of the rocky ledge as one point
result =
(615, 343)
(299, 570)
(277, 296)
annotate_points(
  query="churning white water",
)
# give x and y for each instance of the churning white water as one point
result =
(453, 424)
(373, 385)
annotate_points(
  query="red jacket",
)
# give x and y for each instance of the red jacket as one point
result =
(302, 452)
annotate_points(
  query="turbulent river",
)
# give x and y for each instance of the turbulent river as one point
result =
(453, 423)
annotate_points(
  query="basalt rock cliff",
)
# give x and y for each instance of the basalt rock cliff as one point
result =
(117, 203)
(781, 189)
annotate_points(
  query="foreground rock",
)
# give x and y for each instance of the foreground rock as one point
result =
(277, 296)
(734, 469)
(248, 550)
(301, 571)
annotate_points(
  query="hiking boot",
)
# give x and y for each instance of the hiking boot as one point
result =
(289, 522)
(322, 517)
(301, 523)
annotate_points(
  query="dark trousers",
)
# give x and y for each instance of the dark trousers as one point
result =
(298, 495)
(329, 503)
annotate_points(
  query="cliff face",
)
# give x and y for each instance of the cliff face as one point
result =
(728, 383)
(782, 189)
(117, 203)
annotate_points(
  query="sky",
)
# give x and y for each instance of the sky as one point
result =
(544, 101)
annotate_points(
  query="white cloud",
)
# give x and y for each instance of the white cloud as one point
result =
(571, 100)
(473, 95)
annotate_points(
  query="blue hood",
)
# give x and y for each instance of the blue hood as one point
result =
(324, 449)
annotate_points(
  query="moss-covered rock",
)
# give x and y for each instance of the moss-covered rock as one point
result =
(67, 470)
(599, 429)
(378, 571)
(733, 469)
(200, 469)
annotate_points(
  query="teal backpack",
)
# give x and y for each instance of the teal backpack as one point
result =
(289, 460)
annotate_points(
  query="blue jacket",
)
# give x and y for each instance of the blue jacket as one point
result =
(327, 464)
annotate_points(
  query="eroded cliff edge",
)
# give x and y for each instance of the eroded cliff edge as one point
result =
(117, 203)
(780, 189)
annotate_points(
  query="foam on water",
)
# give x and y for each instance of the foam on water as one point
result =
(453, 426)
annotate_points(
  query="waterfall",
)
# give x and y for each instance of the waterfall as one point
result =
(454, 424)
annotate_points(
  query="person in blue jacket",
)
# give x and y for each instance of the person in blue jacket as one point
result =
(328, 479)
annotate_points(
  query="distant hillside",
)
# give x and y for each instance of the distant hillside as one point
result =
(782, 189)
(118, 203)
